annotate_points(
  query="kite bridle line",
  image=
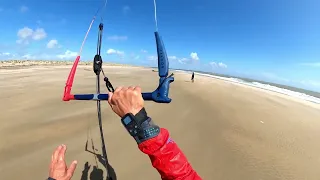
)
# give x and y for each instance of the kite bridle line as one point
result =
(159, 95)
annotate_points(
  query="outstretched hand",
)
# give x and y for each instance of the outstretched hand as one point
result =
(58, 168)
(126, 100)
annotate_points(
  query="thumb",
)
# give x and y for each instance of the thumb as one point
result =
(71, 169)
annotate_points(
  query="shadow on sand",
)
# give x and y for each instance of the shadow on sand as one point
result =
(97, 173)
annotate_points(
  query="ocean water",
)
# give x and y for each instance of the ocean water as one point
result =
(299, 95)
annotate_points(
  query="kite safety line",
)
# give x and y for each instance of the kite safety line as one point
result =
(155, 13)
(97, 68)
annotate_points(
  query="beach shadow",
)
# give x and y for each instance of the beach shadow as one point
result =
(97, 174)
(85, 171)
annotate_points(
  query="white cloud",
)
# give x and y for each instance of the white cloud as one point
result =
(24, 9)
(68, 55)
(137, 57)
(313, 64)
(116, 52)
(304, 83)
(310, 82)
(52, 44)
(222, 65)
(213, 64)
(28, 57)
(118, 38)
(218, 65)
(184, 60)
(152, 58)
(194, 56)
(5, 54)
(38, 56)
(125, 9)
(144, 51)
(172, 58)
(26, 34)
(39, 34)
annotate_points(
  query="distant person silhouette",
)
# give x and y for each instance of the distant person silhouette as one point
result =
(192, 77)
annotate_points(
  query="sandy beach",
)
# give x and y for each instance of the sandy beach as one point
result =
(227, 131)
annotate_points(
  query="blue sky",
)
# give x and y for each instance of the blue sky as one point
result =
(272, 40)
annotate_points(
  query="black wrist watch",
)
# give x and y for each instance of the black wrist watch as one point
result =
(131, 124)
(140, 126)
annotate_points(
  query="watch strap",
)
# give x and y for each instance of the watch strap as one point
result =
(141, 127)
(141, 116)
(147, 133)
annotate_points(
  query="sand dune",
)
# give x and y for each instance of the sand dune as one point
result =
(227, 131)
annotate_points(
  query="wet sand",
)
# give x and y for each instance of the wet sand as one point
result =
(227, 131)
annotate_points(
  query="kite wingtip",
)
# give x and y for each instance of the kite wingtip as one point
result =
(66, 97)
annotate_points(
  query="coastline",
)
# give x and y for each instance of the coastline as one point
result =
(16, 66)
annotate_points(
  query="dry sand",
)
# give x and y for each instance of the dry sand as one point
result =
(228, 132)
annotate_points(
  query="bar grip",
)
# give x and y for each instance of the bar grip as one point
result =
(146, 96)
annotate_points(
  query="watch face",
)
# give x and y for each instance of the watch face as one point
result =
(130, 124)
(127, 120)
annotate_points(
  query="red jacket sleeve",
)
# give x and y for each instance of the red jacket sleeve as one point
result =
(167, 158)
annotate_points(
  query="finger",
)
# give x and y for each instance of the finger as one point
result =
(118, 89)
(71, 169)
(130, 90)
(122, 92)
(116, 92)
(110, 98)
(124, 89)
(137, 88)
(62, 153)
(56, 154)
